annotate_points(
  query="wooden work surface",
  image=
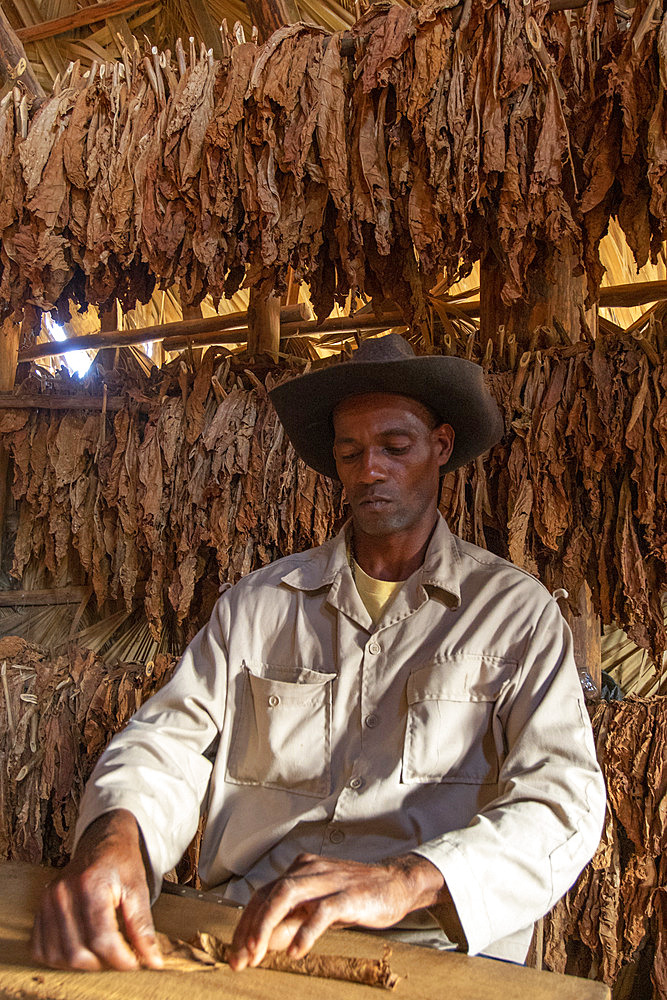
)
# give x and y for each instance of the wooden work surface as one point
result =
(427, 974)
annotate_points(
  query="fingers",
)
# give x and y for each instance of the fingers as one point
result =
(276, 917)
(287, 899)
(77, 928)
(140, 929)
(317, 892)
(101, 931)
(57, 939)
(321, 917)
(284, 933)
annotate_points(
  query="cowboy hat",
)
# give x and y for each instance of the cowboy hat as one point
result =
(452, 387)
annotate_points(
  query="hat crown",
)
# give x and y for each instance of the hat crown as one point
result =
(391, 347)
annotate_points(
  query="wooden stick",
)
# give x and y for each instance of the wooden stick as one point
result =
(264, 315)
(39, 401)
(201, 332)
(311, 329)
(149, 334)
(636, 293)
(84, 16)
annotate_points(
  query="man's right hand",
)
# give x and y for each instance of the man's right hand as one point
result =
(96, 914)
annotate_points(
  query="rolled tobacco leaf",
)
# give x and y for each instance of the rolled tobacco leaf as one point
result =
(369, 971)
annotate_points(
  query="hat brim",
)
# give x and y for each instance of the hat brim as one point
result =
(453, 387)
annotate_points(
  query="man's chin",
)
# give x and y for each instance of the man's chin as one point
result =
(376, 520)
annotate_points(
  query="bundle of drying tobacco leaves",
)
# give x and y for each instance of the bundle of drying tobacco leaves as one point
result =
(371, 160)
(192, 494)
(57, 715)
(612, 924)
(192, 484)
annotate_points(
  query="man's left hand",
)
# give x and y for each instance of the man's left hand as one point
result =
(316, 893)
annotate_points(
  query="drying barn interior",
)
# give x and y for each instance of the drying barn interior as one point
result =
(200, 199)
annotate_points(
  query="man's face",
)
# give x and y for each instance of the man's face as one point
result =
(388, 455)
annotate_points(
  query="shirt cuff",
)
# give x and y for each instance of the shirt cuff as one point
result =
(461, 882)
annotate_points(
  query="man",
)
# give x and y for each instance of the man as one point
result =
(386, 730)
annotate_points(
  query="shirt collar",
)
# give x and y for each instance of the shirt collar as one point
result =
(441, 569)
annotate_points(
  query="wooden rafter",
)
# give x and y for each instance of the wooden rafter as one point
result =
(233, 328)
(187, 329)
(79, 18)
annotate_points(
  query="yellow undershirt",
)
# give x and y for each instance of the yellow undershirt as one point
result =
(376, 594)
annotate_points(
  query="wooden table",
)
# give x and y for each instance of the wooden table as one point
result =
(427, 975)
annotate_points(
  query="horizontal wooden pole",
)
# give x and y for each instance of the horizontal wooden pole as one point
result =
(635, 293)
(40, 598)
(294, 322)
(150, 334)
(368, 323)
(42, 401)
(84, 16)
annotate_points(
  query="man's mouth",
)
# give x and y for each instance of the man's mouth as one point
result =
(374, 501)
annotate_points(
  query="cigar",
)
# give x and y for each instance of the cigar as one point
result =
(205, 951)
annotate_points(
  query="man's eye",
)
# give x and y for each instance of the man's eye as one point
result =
(349, 457)
(397, 450)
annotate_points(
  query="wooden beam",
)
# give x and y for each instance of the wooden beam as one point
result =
(163, 331)
(193, 312)
(585, 627)
(86, 15)
(14, 65)
(40, 598)
(263, 324)
(10, 334)
(636, 293)
(228, 334)
(310, 329)
(44, 401)
(294, 322)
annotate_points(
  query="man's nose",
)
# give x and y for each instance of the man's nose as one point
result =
(371, 469)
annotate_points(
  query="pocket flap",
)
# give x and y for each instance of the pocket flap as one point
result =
(465, 678)
(289, 675)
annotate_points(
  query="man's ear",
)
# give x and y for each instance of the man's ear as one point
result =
(444, 437)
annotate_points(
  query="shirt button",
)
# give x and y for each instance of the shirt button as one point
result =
(356, 783)
(372, 721)
(274, 700)
(336, 836)
(374, 647)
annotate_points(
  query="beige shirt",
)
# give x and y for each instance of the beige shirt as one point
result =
(454, 728)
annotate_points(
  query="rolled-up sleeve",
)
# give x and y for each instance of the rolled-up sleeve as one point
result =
(156, 767)
(522, 852)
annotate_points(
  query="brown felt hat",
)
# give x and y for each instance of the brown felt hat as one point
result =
(452, 387)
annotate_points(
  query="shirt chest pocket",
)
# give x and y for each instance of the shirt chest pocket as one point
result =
(281, 736)
(453, 733)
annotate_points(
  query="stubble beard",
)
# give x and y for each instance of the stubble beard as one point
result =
(397, 518)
